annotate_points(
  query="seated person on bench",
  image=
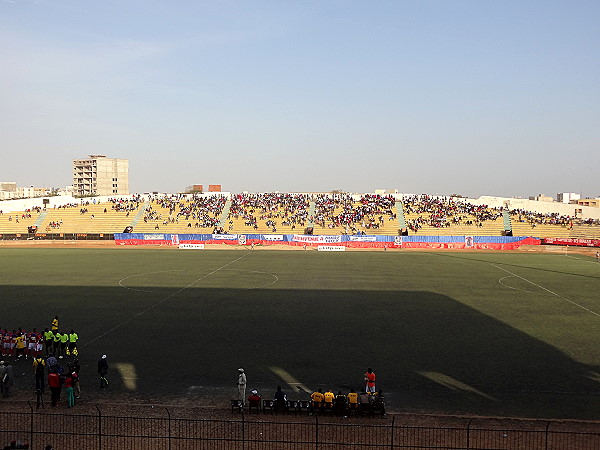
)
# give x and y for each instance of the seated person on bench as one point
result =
(317, 399)
(254, 399)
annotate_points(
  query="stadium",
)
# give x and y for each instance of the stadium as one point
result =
(467, 309)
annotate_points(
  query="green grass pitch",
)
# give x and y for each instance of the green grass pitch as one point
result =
(475, 333)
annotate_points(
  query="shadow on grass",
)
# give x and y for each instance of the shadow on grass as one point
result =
(429, 351)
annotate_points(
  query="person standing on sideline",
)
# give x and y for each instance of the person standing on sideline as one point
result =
(102, 371)
(38, 369)
(370, 379)
(72, 349)
(55, 386)
(55, 323)
(69, 388)
(75, 368)
(241, 384)
(7, 378)
(597, 256)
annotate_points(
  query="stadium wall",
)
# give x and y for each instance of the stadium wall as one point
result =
(441, 242)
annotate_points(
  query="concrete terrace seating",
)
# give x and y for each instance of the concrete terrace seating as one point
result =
(526, 223)
(447, 216)
(182, 214)
(18, 221)
(86, 218)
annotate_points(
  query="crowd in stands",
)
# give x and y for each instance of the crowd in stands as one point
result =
(271, 208)
(537, 218)
(439, 212)
(202, 212)
(339, 211)
(126, 204)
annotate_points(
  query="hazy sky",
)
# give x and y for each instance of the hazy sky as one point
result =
(471, 97)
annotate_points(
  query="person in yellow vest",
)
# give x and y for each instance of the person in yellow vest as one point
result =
(72, 348)
(55, 323)
(48, 341)
(56, 343)
(64, 340)
(328, 398)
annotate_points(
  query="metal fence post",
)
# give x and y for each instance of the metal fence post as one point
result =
(469, 434)
(169, 425)
(99, 428)
(392, 437)
(316, 432)
(30, 425)
(243, 431)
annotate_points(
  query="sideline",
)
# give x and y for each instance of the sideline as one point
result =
(168, 297)
(547, 290)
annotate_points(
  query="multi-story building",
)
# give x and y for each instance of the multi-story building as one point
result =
(100, 175)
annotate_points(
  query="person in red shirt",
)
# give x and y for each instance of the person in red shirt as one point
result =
(55, 387)
(370, 379)
(69, 382)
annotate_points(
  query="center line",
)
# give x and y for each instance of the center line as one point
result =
(547, 290)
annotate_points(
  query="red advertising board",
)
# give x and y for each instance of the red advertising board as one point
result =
(573, 241)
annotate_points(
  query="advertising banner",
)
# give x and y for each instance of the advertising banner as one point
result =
(191, 247)
(225, 237)
(573, 241)
(331, 248)
(316, 239)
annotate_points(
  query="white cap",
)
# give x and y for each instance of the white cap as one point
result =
(103, 356)
(240, 369)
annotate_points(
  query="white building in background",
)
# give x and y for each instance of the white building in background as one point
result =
(99, 175)
(567, 197)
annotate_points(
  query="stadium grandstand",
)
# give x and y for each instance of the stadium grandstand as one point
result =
(297, 214)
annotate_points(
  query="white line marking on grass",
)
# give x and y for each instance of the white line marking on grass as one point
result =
(582, 260)
(510, 287)
(168, 297)
(257, 271)
(141, 275)
(547, 290)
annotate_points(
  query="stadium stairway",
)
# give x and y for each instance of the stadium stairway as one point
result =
(225, 213)
(140, 214)
(312, 206)
(506, 220)
(401, 219)
(40, 220)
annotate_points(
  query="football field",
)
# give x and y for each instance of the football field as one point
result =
(508, 334)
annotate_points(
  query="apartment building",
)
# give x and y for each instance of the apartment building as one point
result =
(99, 175)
